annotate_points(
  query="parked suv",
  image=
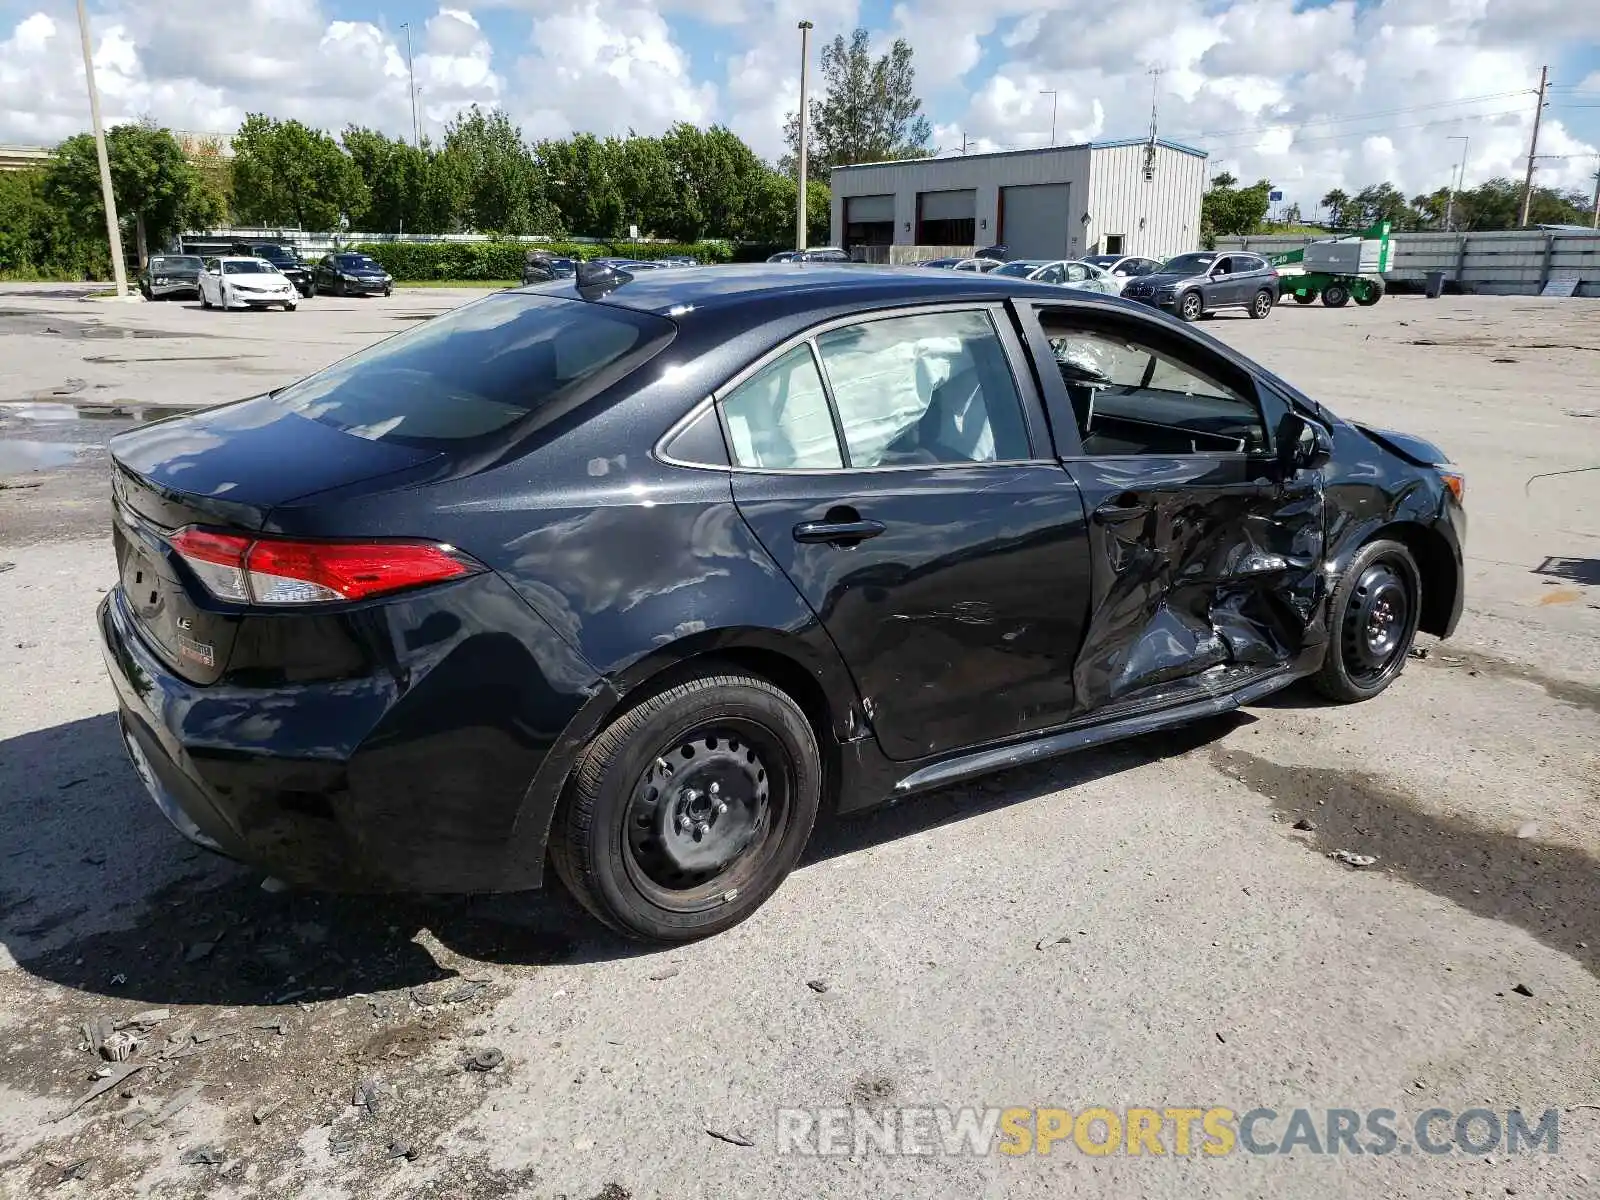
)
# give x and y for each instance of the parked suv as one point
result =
(290, 265)
(1193, 285)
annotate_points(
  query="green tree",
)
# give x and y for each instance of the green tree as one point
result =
(868, 111)
(396, 176)
(645, 183)
(1229, 211)
(504, 187)
(37, 237)
(1381, 202)
(288, 173)
(719, 184)
(582, 175)
(1336, 202)
(157, 189)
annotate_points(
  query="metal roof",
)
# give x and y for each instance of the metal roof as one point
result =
(1106, 145)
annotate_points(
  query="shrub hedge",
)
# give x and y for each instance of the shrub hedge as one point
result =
(503, 260)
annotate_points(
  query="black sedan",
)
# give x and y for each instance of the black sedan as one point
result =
(168, 275)
(1195, 285)
(289, 264)
(633, 576)
(351, 274)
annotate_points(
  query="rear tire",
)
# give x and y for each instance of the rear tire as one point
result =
(690, 809)
(1261, 307)
(1336, 295)
(1371, 295)
(1304, 297)
(1372, 621)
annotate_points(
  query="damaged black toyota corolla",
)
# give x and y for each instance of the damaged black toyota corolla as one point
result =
(635, 574)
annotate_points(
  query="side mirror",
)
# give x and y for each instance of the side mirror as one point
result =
(1303, 445)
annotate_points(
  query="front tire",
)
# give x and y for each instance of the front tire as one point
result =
(1261, 306)
(289, 307)
(1336, 295)
(1190, 306)
(1304, 297)
(204, 300)
(690, 809)
(1372, 621)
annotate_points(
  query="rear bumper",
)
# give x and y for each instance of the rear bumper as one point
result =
(407, 775)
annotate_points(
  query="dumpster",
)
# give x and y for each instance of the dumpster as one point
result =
(1435, 284)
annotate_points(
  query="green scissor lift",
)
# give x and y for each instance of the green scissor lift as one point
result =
(1338, 269)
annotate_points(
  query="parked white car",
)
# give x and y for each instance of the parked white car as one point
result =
(1123, 267)
(981, 265)
(245, 283)
(1067, 272)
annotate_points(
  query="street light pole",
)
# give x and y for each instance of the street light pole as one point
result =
(800, 205)
(113, 232)
(416, 140)
(1054, 97)
(1450, 204)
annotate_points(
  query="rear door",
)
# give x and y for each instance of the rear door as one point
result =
(1206, 553)
(897, 468)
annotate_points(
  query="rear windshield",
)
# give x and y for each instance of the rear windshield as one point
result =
(478, 370)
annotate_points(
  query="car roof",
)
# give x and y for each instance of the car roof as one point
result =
(728, 289)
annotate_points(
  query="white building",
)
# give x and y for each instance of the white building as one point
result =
(1131, 197)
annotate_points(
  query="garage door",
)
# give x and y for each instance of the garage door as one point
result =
(946, 218)
(1035, 221)
(869, 209)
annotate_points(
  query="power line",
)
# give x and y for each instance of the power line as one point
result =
(1393, 112)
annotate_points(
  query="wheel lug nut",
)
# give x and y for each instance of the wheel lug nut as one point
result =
(684, 823)
(722, 807)
(702, 829)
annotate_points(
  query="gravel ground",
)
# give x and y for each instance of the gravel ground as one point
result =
(1143, 925)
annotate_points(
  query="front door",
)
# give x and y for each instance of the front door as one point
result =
(898, 471)
(1207, 552)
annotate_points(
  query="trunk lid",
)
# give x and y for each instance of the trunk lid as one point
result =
(225, 468)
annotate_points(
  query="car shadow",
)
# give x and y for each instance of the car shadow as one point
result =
(101, 895)
(1574, 570)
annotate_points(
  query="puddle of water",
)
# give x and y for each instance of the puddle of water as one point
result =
(44, 410)
(17, 457)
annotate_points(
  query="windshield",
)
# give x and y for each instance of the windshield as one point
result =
(357, 261)
(1020, 269)
(247, 266)
(480, 369)
(1188, 264)
(175, 263)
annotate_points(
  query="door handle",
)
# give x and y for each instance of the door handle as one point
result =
(1122, 505)
(837, 532)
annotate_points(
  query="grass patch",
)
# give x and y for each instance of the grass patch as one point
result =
(459, 283)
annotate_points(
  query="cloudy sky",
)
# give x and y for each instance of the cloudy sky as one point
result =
(1308, 93)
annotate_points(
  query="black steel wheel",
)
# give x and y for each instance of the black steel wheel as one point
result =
(1370, 294)
(1261, 306)
(1190, 306)
(1336, 295)
(1372, 621)
(690, 809)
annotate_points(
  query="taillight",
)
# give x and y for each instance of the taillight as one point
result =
(281, 571)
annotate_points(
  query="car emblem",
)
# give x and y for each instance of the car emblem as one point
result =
(185, 623)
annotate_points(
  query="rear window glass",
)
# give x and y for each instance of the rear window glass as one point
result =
(478, 370)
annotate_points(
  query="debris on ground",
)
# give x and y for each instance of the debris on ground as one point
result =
(817, 985)
(279, 1027)
(266, 1110)
(1419, 651)
(96, 1031)
(664, 973)
(1527, 829)
(118, 1074)
(76, 1170)
(202, 1156)
(147, 1019)
(368, 1095)
(466, 991)
(733, 1139)
(341, 1141)
(1304, 825)
(486, 1060)
(1352, 860)
(403, 1150)
(1045, 943)
(180, 1101)
(1523, 989)
(120, 1046)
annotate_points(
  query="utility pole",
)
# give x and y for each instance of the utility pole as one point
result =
(113, 231)
(1054, 97)
(416, 139)
(963, 141)
(1595, 224)
(1450, 203)
(800, 213)
(1533, 146)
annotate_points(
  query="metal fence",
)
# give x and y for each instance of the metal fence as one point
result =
(901, 255)
(1517, 262)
